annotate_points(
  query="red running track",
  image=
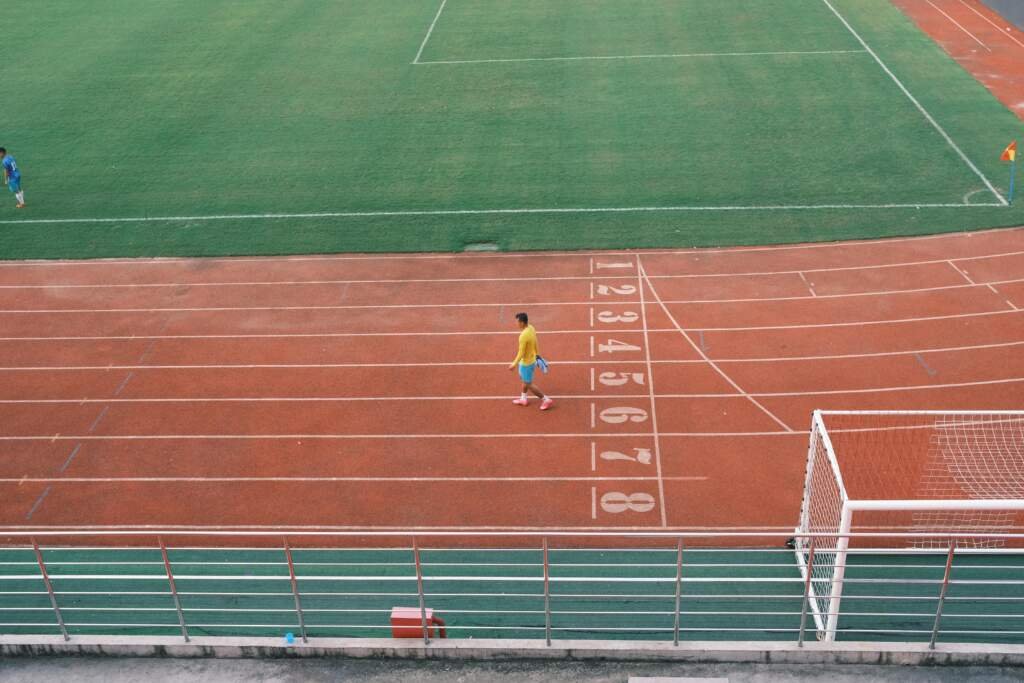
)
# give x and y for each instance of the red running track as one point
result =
(372, 391)
(988, 46)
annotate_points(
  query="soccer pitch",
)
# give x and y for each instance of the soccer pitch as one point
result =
(148, 127)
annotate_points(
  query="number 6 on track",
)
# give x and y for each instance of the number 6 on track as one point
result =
(619, 415)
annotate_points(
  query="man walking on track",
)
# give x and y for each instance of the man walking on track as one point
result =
(527, 362)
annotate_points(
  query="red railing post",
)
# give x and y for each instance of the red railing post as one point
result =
(295, 591)
(174, 588)
(49, 589)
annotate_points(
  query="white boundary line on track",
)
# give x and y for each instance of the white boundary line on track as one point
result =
(1001, 30)
(413, 256)
(679, 276)
(430, 32)
(696, 347)
(506, 212)
(920, 107)
(805, 297)
(958, 25)
(740, 394)
(70, 480)
(498, 363)
(681, 55)
(329, 437)
(327, 335)
(650, 392)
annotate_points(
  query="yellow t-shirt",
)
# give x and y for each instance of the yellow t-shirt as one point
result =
(527, 346)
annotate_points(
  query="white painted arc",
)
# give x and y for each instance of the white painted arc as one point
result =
(696, 347)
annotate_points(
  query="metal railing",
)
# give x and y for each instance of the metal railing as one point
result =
(550, 586)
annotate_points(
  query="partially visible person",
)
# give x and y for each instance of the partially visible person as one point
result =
(12, 176)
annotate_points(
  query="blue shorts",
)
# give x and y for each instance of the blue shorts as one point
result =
(14, 184)
(526, 372)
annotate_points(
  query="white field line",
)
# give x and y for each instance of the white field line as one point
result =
(173, 260)
(958, 25)
(919, 106)
(578, 397)
(614, 302)
(71, 480)
(650, 392)
(681, 55)
(696, 347)
(499, 363)
(679, 276)
(503, 212)
(430, 31)
(1005, 31)
(329, 335)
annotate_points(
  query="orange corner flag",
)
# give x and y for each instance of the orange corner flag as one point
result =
(1010, 153)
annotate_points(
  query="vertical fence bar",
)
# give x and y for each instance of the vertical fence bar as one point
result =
(942, 594)
(807, 593)
(419, 591)
(679, 591)
(295, 591)
(547, 595)
(174, 588)
(49, 589)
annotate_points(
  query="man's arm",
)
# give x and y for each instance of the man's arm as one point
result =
(521, 354)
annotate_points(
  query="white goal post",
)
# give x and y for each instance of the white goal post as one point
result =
(944, 477)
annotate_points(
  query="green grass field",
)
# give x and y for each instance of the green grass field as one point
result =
(500, 127)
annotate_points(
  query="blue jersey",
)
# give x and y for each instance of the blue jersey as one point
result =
(11, 168)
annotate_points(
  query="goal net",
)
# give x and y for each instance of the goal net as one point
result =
(942, 476)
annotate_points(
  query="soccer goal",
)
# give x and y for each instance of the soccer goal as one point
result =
(933, 477)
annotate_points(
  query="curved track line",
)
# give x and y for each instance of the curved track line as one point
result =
(499, 363)
(172, 260)
(805, 297)
(740, 393)
(696, 347)
(835, 269)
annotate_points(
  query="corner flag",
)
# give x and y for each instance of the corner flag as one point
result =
(1010, 153)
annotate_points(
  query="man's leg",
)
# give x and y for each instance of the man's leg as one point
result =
(20, 196)
(533, 390)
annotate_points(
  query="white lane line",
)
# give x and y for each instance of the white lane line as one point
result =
(504, 212)
(920, 107)
(581, 397)
(93, 480)
(681, 55)
(962, 272)
(222, 309)
(1005, 31)
(430, 31)
(650, 391)
(833, 269)
(380, 437)
(498, 364)
(330, 335)
(958, 25)
(704, 356)
(330, 258)
(100, 529)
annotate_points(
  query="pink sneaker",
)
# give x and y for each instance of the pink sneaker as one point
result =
(546, 403)
(521, 402)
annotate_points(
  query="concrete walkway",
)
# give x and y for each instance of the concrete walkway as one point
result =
(113, 670)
